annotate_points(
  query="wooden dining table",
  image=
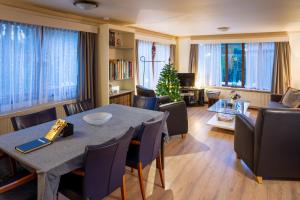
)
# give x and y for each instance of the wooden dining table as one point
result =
(66, 154)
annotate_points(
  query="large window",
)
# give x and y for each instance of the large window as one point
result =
(149, 71)
(37, 65)
(246, 65)
(233, 66)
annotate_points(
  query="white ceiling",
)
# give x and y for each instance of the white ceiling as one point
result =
(194, 17)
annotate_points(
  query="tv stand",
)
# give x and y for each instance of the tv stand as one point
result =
(192, 96)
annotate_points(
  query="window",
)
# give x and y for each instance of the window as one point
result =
(148, 71)
(37, 65)
(233, 65)
(246, 65)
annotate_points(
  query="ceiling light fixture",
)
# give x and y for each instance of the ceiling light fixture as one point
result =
(223, 28)
(85, 5)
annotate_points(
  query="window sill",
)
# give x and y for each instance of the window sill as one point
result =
(238, 89)
(35, 108)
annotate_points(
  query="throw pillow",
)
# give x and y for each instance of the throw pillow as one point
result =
(291, 98)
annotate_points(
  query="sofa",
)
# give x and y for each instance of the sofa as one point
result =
(177, 121)
(270, 147)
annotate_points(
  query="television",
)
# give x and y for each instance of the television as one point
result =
(186, 79)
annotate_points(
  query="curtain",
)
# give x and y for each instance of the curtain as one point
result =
(209, 65)
(162, 57)
(259, 59)
(281, 70)
(87, 65)
(148, 72)
(193, 61)
(37, 65)
(173, 54)
(145, 68)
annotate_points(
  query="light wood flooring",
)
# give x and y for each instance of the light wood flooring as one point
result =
(204, 166)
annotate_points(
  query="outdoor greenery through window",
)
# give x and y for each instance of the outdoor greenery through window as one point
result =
(233, 65)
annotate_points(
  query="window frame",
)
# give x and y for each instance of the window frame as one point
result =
(227, 67)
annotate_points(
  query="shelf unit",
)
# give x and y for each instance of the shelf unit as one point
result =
(124, 50)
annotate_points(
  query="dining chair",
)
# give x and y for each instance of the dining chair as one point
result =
(22, 186)
(103, 171)
(144, 150)
(78, 107)
(26, 121)
(149, 103)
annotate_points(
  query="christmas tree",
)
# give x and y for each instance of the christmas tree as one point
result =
(168, 83)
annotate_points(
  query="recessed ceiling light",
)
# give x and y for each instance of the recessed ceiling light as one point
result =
(223, 28)
(85, 5)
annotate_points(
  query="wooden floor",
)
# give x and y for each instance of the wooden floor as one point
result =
(204, 166)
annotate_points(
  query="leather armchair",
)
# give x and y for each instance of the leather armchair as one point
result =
(270, 147)
(177, 121)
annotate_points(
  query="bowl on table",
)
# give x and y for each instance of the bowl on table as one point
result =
(97, 119)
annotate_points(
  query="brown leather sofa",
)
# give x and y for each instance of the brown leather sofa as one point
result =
(178, 120)
(270, 146)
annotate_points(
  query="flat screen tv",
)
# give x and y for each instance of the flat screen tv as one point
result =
(186, 79)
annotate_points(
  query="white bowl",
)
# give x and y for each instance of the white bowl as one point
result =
(97, 118)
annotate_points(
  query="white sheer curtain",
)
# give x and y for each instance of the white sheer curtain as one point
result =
(209, 65)
(60, 67)
(36, 65)
(147, 77)
(162, 54)
(145, 68)
(259, 58)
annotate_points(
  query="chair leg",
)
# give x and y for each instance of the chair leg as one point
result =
(142, 187)
(161, 173)
(259, 179)
(123, 188)
(13, 166)
(162, 154)
(183, 135)
(131, 170)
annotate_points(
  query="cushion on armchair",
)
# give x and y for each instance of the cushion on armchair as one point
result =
(291, 98)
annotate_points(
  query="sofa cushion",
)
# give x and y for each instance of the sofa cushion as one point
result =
(273, 104)
(291, 98)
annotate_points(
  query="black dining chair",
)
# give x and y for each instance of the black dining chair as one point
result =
(22, 186)
(26, 121)
(103, 171)
(149, 103)
(78, 107)
(144, 150)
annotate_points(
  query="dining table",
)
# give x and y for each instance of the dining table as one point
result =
(66, 153)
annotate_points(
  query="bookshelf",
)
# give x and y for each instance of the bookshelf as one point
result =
(117, 65)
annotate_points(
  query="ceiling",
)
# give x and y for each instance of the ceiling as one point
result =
(193, 17)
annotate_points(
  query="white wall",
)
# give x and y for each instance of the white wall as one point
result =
(183, 54)
(294, 38)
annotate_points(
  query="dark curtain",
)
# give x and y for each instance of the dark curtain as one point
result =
(193, 63)
(87, 65)
(281, 69)
(172, 54)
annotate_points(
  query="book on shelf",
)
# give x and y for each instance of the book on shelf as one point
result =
(120, 69)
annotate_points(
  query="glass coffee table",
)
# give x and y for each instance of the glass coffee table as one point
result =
(225, 113)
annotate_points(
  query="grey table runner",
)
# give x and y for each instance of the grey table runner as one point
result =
(66, 154)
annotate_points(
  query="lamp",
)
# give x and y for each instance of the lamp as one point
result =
(85, 5)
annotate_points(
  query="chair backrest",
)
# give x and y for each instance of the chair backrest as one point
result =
(276, 143)
(149, 103)
(26, 121)
(105, 166)
(78, 107)
(142, 91)
(150, 138)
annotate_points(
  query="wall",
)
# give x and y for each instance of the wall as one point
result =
(183, 54)
(294, 38)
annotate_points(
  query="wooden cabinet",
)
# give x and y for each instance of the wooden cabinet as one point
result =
(124, 97)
